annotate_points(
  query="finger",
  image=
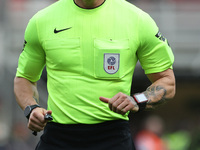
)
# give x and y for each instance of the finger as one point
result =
(116, 101)
(48, 112)
(35, 127)
(127, 108)
(117, 97)
(116, 104)
(121, 108)
(34, 121)
(114, 98)
(37, 116)
(104, 99)
(35, 124)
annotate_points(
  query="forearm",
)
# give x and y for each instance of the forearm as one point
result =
(25, 92)
(160, 91)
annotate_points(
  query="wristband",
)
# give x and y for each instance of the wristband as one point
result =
(141, 101)
(29, 109)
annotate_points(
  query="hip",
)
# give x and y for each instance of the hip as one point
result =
(107, 135)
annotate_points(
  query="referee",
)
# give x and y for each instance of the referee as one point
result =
(90, 49)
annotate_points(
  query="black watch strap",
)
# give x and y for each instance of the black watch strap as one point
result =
(142, 106)
(29, 109)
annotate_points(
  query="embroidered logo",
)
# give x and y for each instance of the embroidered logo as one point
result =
(57, 31)
(161, 37)
(111, 62)
(25, 42)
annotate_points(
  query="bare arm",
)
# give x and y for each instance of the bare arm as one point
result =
(25, 92)
(163, 88)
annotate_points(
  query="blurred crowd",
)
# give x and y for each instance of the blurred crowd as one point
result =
(153, 136)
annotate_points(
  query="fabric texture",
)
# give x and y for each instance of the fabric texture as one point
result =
(90, 53)
(111, 135)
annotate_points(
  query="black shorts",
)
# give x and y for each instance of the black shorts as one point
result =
(110, 135)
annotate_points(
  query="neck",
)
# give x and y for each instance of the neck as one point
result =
(89, 4)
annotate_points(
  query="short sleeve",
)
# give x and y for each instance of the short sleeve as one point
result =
(32, 59)
(154, 53)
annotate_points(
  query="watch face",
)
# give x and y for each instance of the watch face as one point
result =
(27, 111)
(140, 98)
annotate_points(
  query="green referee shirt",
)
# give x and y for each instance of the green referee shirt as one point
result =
(90, 53)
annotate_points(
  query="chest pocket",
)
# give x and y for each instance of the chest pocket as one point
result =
(64, 55)
(111, 58)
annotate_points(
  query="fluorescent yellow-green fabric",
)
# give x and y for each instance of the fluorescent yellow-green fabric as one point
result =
(154, 53)
(90, 53)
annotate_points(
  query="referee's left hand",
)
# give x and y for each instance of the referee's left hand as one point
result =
(121, 103)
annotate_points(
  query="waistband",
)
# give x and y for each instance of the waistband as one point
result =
(112, 123)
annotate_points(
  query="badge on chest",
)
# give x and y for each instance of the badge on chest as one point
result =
(111, 62)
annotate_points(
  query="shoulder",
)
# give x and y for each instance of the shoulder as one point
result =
(123, 4)
(49, 11)
(130, 10)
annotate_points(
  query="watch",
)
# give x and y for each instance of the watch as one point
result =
(141, 100)
(29, 109)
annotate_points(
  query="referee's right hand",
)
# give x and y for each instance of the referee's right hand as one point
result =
(37, 121)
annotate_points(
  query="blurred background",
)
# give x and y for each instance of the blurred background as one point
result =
(173, 126)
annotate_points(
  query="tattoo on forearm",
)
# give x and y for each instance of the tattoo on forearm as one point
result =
(36, 99)
(132, 100)
(156, 94)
